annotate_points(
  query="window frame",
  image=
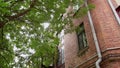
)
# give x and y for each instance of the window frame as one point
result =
(81, 33)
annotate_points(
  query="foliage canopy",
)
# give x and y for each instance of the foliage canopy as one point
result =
(29, 31)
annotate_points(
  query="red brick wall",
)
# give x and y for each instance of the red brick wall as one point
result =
(71, 47)
(61, 66)
(106, 26)
(111, 64)
(108, 34)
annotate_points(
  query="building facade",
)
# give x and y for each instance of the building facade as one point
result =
(97, 42)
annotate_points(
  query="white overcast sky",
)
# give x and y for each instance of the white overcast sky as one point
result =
(118, 1)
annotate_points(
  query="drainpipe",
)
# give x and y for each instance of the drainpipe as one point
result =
(95, 39)
(114, 12)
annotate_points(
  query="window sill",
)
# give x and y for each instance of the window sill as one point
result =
(82, 51)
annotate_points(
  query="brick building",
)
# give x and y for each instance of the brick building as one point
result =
(97, 43)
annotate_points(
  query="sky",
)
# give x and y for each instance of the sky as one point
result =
(118, 2)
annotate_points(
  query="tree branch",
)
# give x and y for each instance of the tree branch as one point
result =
(10, 18)
(15, 3)
(1, 24)
(24, 12)
(4, 58)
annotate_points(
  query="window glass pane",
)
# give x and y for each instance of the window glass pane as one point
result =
(80, 38)
(82, 41)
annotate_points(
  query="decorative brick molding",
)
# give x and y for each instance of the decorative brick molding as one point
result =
(90, 63)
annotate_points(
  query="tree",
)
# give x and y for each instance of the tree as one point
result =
(29, 31)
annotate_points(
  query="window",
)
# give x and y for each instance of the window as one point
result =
(118, 10)
(82, 41)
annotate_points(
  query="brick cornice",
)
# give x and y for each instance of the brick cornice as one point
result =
(90, 63)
